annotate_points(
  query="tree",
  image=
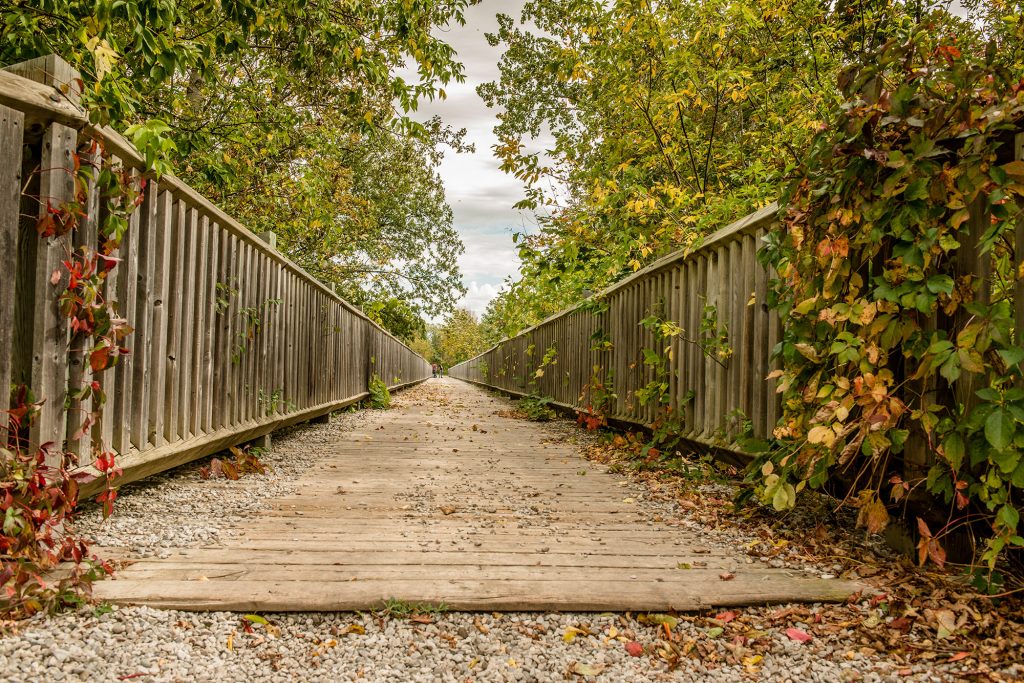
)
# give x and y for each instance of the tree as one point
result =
(288, 114)
(459, 338)
(669, 120)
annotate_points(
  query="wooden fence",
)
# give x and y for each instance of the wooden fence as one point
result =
(711, 377)
(717, 288)
(231, 339)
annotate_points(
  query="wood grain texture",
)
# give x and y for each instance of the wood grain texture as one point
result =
(11, 131)
(465, 507)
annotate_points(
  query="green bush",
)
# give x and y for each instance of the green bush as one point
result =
(537, 408)
(380, 397)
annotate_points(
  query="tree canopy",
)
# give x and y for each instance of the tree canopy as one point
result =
(293, 116)
(666, 121)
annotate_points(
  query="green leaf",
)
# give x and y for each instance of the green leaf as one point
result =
(953, 449)
(999, 429)
(940, 284)
(1009, 516)
(1012, 356)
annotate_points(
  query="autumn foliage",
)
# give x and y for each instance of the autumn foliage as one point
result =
(897, 278)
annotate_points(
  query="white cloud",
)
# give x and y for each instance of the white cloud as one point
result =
(480, 194)
(478, 295)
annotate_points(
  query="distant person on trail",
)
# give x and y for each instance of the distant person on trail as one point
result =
(433, 369)
(440, 370)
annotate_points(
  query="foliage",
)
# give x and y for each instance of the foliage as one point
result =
(537, 408)
(245, 461)
(397, 317)
(897, 269)
(380, 397)
(40, 493)
(291, 115)
(37, 503)
(401, 609)
(669, 119)
(459, 339)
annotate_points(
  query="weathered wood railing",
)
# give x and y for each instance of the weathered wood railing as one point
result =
(718, 284)
(231, 339)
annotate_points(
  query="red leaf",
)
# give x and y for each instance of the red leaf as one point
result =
(725, 617)
(634, 649)
(959, 655)
(798, 635)
(900, 624)
(99, 359)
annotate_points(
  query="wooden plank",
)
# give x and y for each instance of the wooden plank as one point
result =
(210, 315)
(200, 325)
(222, 336)
(186, 362)
(384, 536)
(84, 240)
(49, 335)
(11, 133)
(40, 103)
(162, 267)
(175, 315)
(127, 290)
(142, 318)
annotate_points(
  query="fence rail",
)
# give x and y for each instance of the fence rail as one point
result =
(231, 339)
(710, 377)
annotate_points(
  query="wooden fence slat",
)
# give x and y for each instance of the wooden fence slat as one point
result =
(190, 266)
(127, 289)
(163, 235)
(210, 317)
(12, 128)
(142, 318)
(175, 313)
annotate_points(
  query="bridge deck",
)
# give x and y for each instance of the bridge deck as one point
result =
(445, 500)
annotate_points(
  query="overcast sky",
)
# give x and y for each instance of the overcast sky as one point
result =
(481, 195)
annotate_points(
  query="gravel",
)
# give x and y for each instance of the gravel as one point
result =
(155, 645)
(110, 643)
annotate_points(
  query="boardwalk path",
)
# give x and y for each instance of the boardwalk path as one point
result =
(447, 500)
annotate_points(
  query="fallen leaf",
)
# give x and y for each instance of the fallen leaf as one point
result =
(480, 626)
(959, 655)
(421, 619)
(715, 632)
(352, 628)
(900, 624)
(725, 617)
(658, 620)
(255, 619)
(634, 649)
(447, 509)
(573, 631)
(798, 635)
(586, 669)
(752, 663)
(727, 576)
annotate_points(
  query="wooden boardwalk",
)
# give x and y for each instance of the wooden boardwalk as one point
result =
(447, 501)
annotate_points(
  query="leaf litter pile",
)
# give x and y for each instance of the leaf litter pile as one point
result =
(917, 617)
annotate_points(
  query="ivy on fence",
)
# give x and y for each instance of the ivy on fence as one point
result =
(897, 268)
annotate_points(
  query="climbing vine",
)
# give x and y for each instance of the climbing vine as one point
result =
(37, 498)
(897, 265)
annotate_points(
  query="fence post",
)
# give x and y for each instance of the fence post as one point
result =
(12, 128)
(40, 326)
